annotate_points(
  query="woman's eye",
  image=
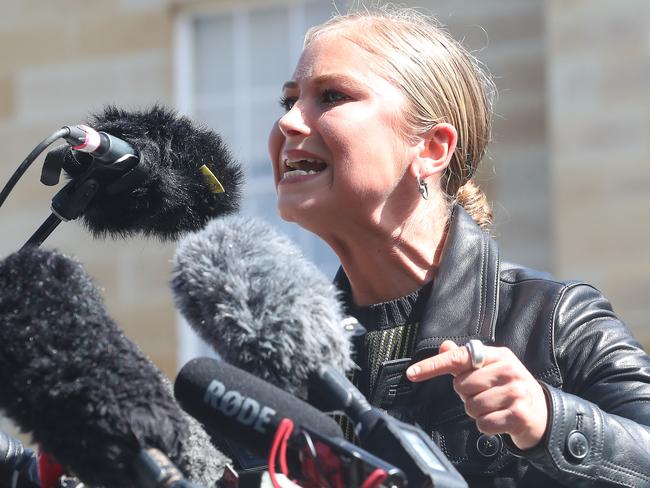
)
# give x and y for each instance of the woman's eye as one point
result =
(333, 96)
(287, 102)
(327, 97)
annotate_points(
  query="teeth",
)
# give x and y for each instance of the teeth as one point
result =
(298, 172)
(292, 162)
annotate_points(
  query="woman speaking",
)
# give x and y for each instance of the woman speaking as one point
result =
(521, 379)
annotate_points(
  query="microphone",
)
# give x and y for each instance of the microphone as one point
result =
(149, 172)
(154, 470)
(99, 145)
(87, 394)
(402, 444)
(233, 402)
(247, 290)
(18, 465)
(236, 403)
(21, 467)
(252, 296)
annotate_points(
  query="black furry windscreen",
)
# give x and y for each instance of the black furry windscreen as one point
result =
(69, 376)
(174, 196)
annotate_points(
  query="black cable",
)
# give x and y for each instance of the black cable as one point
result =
(29, 160)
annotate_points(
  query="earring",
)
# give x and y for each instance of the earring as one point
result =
(423, 188)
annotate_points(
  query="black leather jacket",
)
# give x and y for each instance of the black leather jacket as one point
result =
(595, 374)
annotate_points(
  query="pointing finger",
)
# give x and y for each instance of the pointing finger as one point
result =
(447, 346)
(453, 361)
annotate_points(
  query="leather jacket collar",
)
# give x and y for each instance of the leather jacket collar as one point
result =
(463, 303)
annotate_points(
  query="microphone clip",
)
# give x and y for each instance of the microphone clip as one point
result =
(89, 176)
(73, 199)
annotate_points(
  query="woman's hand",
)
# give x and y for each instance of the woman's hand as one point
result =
(502, 396)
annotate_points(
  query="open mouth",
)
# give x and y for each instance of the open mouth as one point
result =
(301, 167)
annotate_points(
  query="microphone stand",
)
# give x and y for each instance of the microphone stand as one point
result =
(67, 204)
(45, 229)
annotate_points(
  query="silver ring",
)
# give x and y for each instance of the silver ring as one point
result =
(476, 353)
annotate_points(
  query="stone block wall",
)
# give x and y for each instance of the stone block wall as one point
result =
(569, 168)
(59, 62)
(598, 58)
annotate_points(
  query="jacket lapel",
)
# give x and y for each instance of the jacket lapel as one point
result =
(463, 303)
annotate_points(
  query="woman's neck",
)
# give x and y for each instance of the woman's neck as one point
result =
(384, 262)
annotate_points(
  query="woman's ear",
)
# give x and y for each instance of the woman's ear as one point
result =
(435, 150)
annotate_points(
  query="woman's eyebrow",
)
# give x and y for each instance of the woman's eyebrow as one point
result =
(331, 77)
(289, 85)
(323, 79)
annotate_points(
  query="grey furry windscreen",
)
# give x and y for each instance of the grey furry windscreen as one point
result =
(248, 291)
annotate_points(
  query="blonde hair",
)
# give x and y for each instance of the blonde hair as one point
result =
(442, 82)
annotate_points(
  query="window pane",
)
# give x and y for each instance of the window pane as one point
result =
(269, 44)
(319, 12)
(264, 206)
(244, 113)
(221, 120)
(214, 54)
(264, 115)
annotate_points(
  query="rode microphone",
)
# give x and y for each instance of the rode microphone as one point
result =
(249, 292)
(262, 417)
(236, 403)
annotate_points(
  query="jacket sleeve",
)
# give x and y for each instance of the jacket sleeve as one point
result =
(598, 431)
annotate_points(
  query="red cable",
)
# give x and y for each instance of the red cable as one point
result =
(49, 471)
(280, 442)
(375, 479)
(283, 447)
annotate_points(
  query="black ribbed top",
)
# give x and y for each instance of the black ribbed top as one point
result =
(391, 329)
(392, 313)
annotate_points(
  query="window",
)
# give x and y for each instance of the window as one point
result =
(231, 63)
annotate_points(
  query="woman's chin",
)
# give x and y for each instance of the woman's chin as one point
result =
(306, 213)
(294, 211)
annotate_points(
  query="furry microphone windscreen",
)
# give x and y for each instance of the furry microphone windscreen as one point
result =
(174, 196)
(248, 291)
(86, 393)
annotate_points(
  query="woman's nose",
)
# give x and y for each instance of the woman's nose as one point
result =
(293, 123)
